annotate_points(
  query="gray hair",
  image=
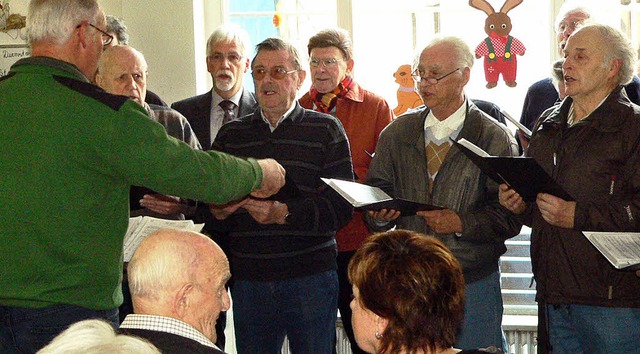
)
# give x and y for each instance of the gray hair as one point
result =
(569, 7)
(276, 44)
(116, 26)
(619, 47)
(464, 57)
(227, 33)
(169, 264)
(55, 20)
(332, 37)
(96, 337)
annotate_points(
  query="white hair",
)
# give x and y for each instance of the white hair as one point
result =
(154, 273)
(227, 33)
(96, 337)
(55, 20)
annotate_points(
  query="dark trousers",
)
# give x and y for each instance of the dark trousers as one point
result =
(25, 330)
(345, 294)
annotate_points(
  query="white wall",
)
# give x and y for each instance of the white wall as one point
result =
(172, 36)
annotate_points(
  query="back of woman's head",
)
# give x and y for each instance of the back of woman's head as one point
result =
(414, 282)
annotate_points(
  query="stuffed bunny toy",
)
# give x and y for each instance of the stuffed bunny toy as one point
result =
(499, 49)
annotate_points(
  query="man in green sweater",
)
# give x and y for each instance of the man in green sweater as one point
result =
(71, 151)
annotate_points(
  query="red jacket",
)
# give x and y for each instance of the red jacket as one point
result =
(363, 115)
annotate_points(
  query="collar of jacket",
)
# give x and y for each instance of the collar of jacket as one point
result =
(608, 117)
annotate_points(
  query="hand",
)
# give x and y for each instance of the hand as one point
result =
(163, 204)
(442, 221)
(511, 200)
(524, 141)
(222, 212)
(556, 211)
(272, 178)
(384, 215)
(267, 211)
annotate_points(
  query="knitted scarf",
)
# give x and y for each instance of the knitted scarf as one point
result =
(326, 102)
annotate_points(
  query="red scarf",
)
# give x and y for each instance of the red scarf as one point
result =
(326, 102)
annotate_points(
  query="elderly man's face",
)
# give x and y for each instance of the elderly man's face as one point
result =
(436, 62)
(276, 94)
(567, 26)
(328, 68)
(210, 296)
(125, 73)
(585, 71)
(227, 66)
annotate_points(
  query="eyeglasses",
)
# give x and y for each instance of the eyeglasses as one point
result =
(277, 73)
(328, 62)
(106, 37)
(231, 57)
(417, 76)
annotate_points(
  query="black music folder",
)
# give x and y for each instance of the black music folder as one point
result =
(523, 174)
(365, 197)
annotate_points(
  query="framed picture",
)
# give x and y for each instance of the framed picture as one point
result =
(13, 21)
(11, 53)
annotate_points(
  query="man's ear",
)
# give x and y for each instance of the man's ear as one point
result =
(182, 299)
(301, 76)
(614, 67)
(81, 33)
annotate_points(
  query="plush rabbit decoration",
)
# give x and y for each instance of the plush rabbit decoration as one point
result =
(499, 49)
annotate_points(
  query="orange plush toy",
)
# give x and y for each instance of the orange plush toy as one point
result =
(499, 49)
(407, 96)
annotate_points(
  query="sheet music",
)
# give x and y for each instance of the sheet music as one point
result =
(622, 249)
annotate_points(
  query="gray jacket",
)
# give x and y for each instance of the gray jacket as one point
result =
(400, 168)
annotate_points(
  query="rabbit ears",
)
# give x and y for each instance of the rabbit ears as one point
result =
(484, 5)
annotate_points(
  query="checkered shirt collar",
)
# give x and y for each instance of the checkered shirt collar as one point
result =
(167, 325)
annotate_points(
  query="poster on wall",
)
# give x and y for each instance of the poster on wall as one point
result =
(13, 44)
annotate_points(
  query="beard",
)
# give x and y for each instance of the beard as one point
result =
(226, 82)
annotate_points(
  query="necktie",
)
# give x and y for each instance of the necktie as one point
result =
(227, 107)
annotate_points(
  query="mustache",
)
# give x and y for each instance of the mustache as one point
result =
(225, 72)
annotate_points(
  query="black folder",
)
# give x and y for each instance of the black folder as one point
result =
(365, 197)
(521, 173)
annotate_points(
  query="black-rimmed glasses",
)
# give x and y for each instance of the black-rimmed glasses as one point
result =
(430, 80)
(277, 73)
(106, 37)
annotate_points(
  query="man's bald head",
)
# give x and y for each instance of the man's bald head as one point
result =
(122, 70)
(182, 275)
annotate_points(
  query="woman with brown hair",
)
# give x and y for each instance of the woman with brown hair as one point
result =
(409, 295)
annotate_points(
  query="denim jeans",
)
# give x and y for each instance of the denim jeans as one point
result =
(482, 323)
(304, 309)
(579, 329)
(24, 330)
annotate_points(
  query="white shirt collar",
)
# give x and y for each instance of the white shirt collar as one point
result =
(284, 116)
(444, 128)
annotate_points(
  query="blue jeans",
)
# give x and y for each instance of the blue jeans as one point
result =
(24, 330)
(304, 309)
(591, 329)
(482, 323)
